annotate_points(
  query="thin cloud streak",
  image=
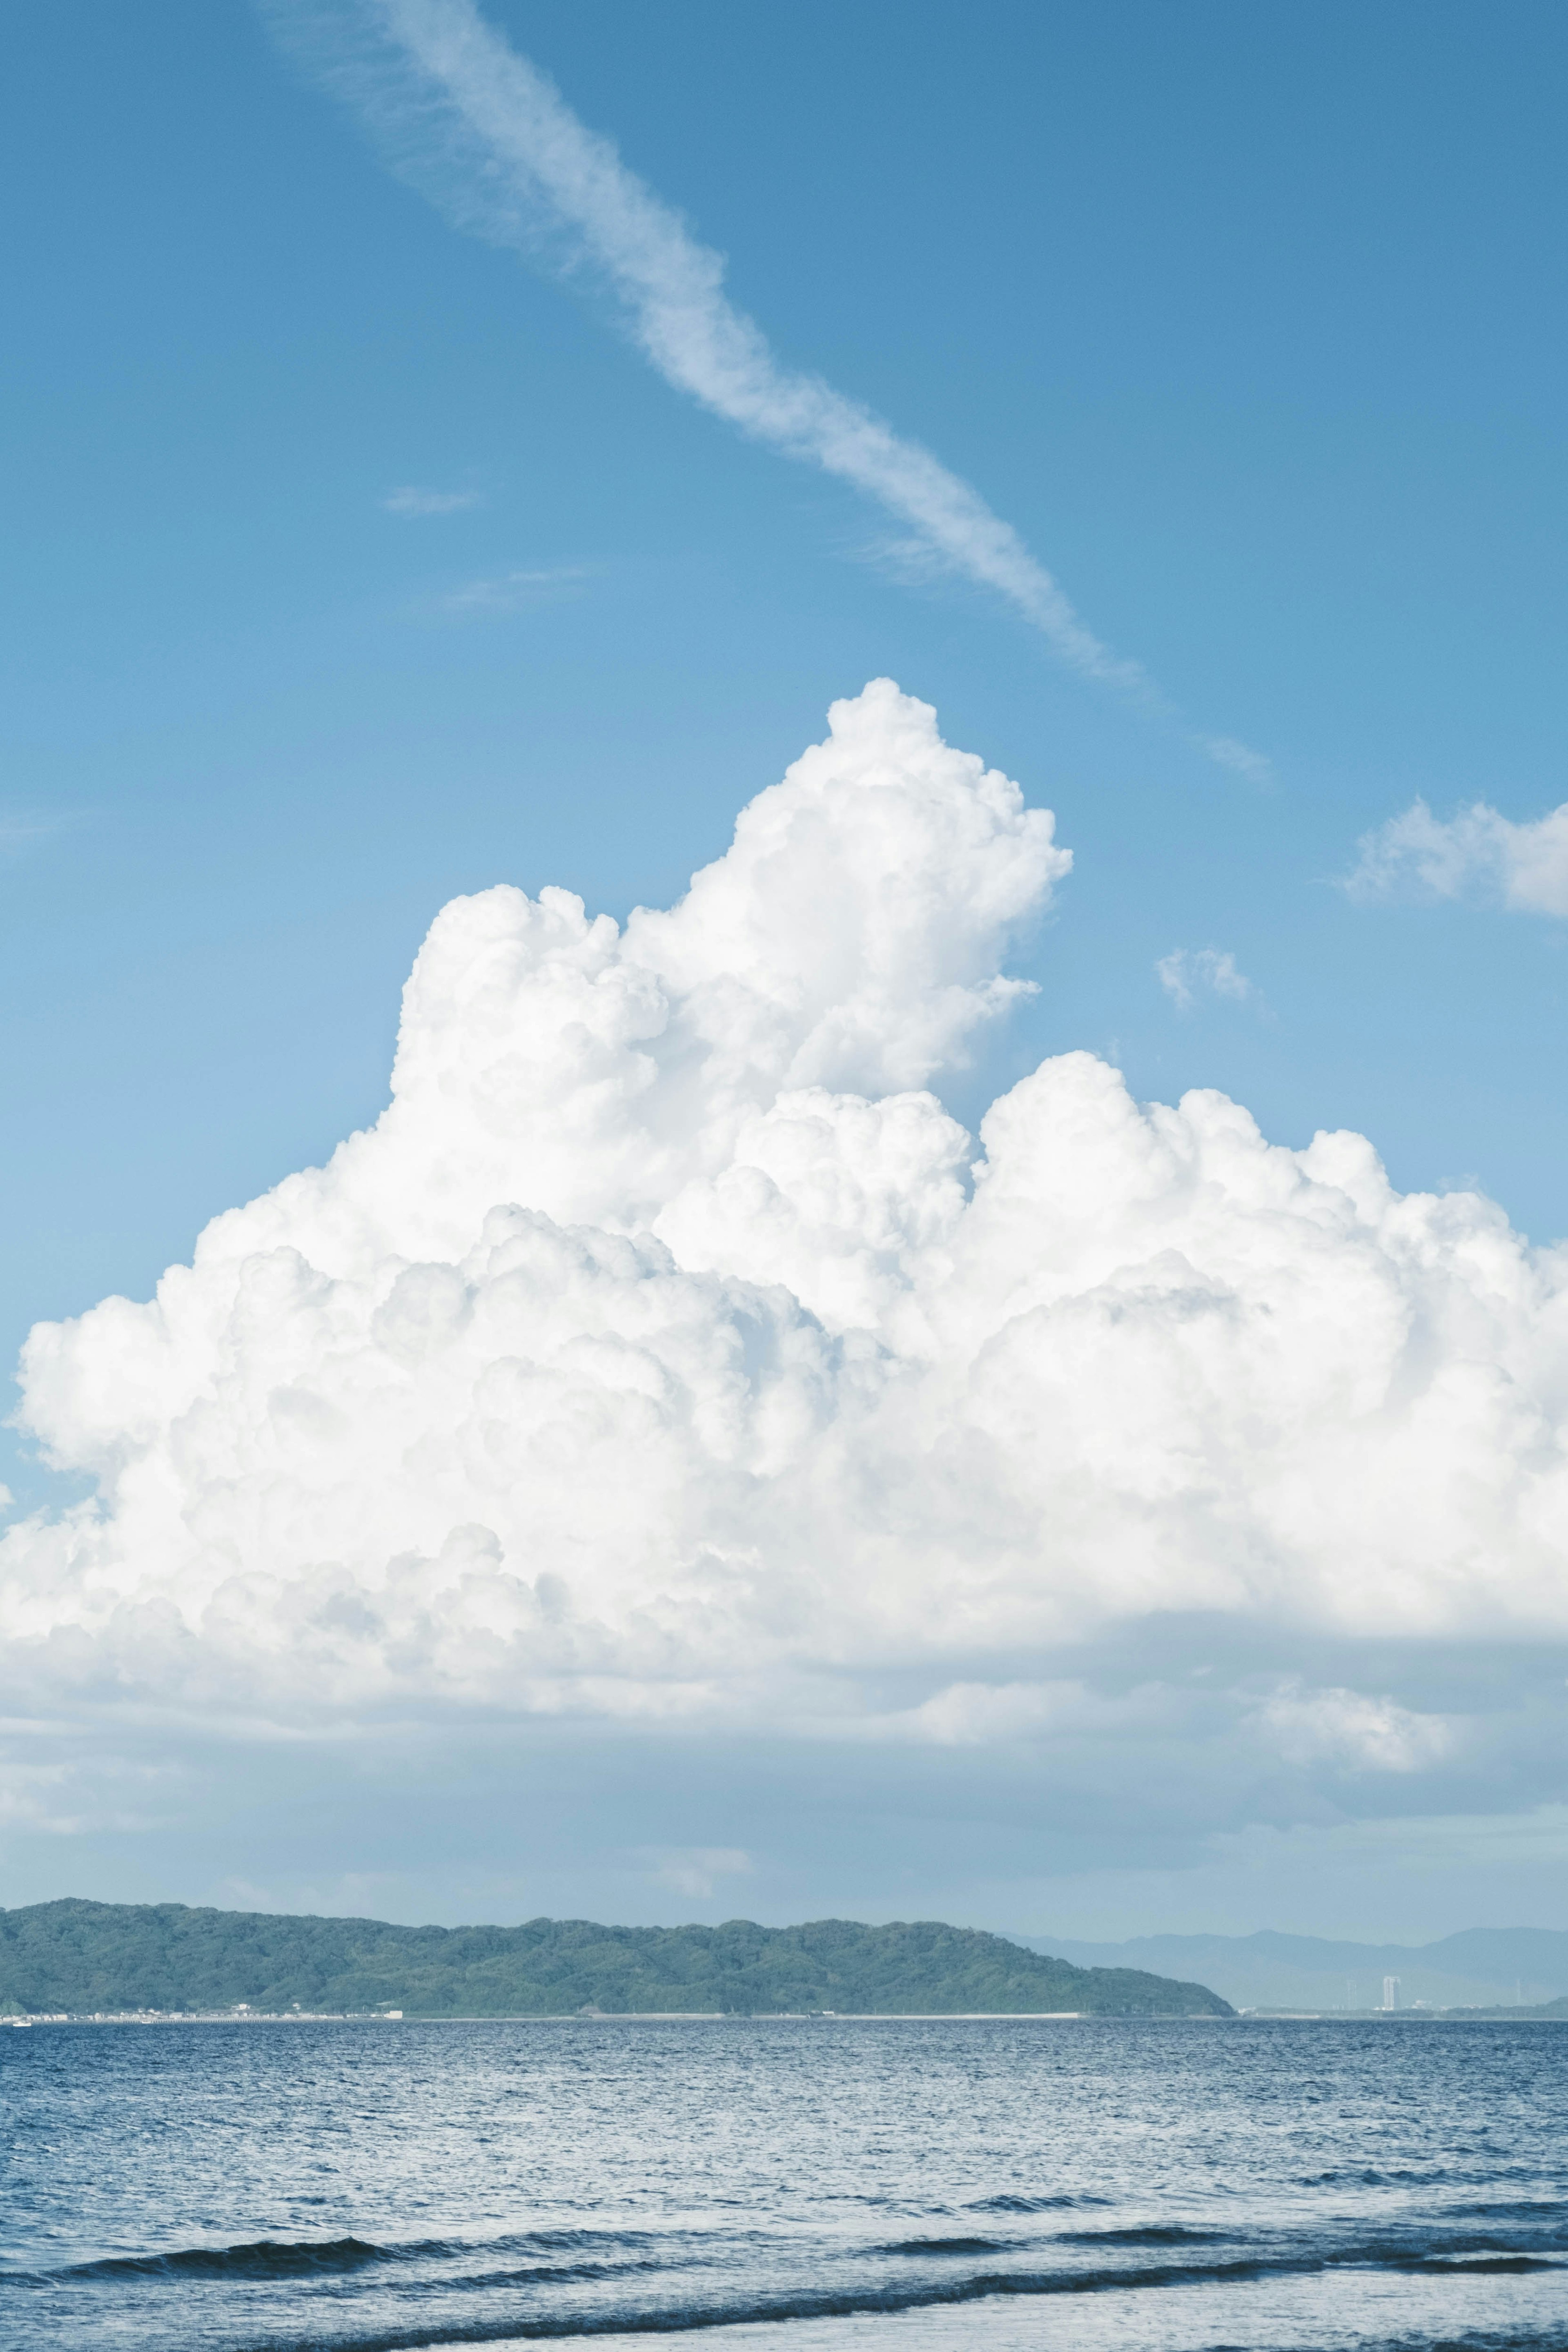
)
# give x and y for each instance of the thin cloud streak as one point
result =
(410, 501)
(487, 136)
(513, 591)
(480, 129)
(1239, 758)
(21, 828)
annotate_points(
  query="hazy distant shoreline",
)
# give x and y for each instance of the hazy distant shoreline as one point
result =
(1477, 1970)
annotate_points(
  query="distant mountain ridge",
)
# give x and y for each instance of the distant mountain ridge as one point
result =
(1480, 1967)
(82, 1958)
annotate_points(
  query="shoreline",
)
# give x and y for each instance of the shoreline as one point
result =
(22, 2021)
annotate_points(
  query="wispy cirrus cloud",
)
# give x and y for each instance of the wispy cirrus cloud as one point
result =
(516, 592)
(489, 138)
(1478, 852)
(1239, 758)
(1188, 974)
(21, 827)
(412, 503)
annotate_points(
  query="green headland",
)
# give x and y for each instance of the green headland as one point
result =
(84, 1957)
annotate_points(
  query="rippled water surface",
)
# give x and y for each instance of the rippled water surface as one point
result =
(790, 2185)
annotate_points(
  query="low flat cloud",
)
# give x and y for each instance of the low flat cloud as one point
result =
(1362, 1730)
(1477, 854)
(696, 1871)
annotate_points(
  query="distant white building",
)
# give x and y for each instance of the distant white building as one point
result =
(1391, 1992)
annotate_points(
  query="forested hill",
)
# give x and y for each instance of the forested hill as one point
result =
(86, 1956)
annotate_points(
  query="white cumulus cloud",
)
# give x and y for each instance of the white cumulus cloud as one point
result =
(1523, 866)
(666, 1353)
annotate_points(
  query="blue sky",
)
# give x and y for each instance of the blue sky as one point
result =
(1248, 320)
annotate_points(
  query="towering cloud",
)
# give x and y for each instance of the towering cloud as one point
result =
(666, 1351)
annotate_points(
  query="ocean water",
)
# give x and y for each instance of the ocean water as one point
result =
(786, 2185)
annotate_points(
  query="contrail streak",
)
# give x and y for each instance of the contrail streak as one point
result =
(489, 139)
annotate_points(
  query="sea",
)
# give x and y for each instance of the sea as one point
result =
(785, 2184)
